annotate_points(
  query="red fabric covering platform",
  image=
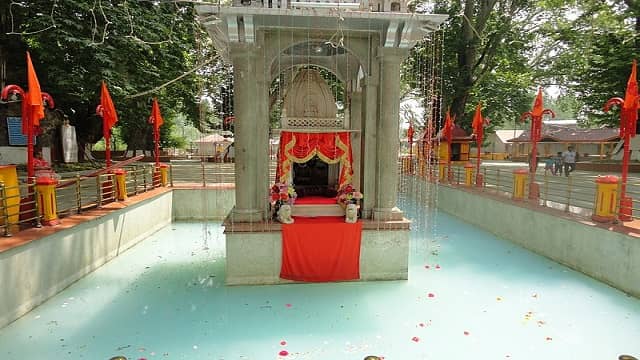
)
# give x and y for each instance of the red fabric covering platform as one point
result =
(316, 200)
(321, 249)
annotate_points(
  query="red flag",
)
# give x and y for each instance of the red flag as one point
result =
(109, 114)
(630, 106)
(32, 106)
(156, 117)
(447, 131)
(538, 106)
(478, 124)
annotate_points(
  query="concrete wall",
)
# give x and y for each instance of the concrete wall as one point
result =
(609, 256)
(198, 204)
(36, 271)
(18, 154)
(256, 258)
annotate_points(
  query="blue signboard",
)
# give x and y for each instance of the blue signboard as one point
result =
(14, 128)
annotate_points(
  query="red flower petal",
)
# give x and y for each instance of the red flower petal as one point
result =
(288, 305)
(437, 266)
(283, 353)
(466, 333)
(421, 324)
(283, 343)
(427, 267)
(431, 295)
(415, 339)
(549, 338)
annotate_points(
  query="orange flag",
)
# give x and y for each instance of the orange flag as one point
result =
(109, 115)
(156, 117)
(478, 123)
(447, 131)
(630, 106)
(32, 105)
(538, 106)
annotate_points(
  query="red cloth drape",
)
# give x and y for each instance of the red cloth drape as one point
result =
(321, 249)
(331, 148)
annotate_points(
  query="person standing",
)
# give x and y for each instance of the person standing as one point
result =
(569, 160)
(557, 166)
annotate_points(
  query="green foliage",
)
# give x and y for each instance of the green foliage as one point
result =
(135, 46)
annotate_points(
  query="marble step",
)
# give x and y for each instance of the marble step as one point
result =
(315, 210)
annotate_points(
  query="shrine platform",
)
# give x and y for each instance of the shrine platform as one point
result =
(254, 251)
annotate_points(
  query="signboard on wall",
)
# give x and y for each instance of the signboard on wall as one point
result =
(14, 128)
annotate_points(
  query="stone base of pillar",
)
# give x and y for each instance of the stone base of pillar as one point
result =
(245, 215)
(387, 214)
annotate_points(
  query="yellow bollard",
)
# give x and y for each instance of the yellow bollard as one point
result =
(606, 198)
(519, 183)
(468, 174)
(11, 201)
(442, 171)
(164, 178)
(121, 184)
(46, 188)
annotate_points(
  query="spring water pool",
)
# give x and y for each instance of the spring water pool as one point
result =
(469, 295)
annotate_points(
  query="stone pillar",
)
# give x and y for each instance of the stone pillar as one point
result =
(261, 138)
(388, 143)
(356, 138)
(245, 92)
(368, 146)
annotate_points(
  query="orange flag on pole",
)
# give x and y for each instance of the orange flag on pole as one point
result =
(478, 123)
(538, 106)
(156, 117)
(447, 131)
(32, 106)
(630, 106)
(109, 114)
(156, 120)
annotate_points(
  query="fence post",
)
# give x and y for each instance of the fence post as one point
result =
(519, 183)
(5, 211)
(569, 189)
(606, 198)
(46, 200)
(135, 180)
(204, 178)
(171, 174)
(78, 193)
(99, 190)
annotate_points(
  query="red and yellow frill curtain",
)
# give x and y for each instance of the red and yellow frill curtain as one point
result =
(331, 148)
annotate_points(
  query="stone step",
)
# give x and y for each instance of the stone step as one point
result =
(315, 210)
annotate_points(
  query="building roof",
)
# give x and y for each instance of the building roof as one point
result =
(458, 134)
(571, 133)
(214, 138)
(506, 135)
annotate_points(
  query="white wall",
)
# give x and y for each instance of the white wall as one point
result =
(32, 273)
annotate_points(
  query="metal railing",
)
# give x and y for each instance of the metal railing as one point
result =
(19, 208)
(574, 194)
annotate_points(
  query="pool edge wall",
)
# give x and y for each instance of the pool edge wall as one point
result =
(608, 256)
(34, 272)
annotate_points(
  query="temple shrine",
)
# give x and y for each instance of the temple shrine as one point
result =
(332, 141)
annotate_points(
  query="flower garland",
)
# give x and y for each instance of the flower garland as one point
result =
(282, 193)
(349, 195)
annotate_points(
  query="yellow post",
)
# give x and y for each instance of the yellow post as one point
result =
(46, 188)
(121, 184)
(442, 171)
(468, 174)
(606, 198)
(519, 183)
(164, 178)
(11, 201)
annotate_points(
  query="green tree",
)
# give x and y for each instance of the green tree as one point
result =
(135, 46)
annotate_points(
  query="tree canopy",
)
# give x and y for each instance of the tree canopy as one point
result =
(135, 46)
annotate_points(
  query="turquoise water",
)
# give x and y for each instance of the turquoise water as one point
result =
(469, 296)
